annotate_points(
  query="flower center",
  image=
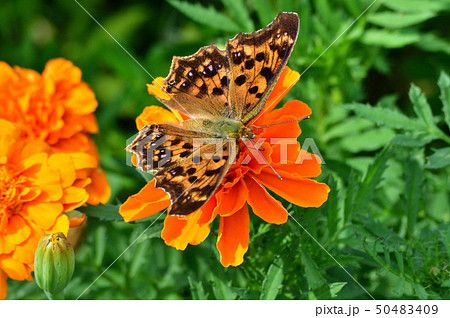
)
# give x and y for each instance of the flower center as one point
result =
(10, 190)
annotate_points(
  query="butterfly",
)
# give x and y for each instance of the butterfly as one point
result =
(221, 91)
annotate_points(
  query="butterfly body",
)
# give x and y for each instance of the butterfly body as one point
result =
(220, 127)
(222, 91)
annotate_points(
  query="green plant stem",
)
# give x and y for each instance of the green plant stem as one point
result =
(55, 296)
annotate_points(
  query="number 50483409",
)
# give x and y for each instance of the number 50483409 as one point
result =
(406, 309)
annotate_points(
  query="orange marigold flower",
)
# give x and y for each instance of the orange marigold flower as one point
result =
(37, 185)
(245, 183)
(56, 107)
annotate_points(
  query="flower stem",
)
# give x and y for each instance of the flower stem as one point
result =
(55, 296)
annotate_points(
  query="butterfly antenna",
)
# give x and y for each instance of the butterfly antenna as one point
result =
(259, 145)
(254, 143)
(283, 122)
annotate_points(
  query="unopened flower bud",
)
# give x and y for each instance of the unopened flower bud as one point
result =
(54, 263)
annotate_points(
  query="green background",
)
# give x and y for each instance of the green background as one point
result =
(385, 142)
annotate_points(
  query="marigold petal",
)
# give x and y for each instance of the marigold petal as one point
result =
(230, 200)
(74, 197)
(232, 241)
(64, 164)
(61, 225)
(9, 134)
(302, 192)
(3, 283)
(208, 211)
(287, 80)
(6, 246)
(25, 252)
(48, 180)
(17, 231)
(14, 269)
(83, 160)
(75, 221)
(179, 231)
(155, 115)
(43, 214)
(306, 165)
(80, 100)
(99, 190)
(155, 89)
(148, 201)
(61, 70)
(7, 74)
(263, 204)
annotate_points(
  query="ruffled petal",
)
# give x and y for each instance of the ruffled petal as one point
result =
(230, 200)
(302, 192)
(6, 246)
(17, 231)
(179, 231)
(232, 241)
(61, 225)
(155, 115)
(263, 204)
(284, 84)
(43, 214)
(155, 89)
(3, 284)
(24, 252)
(306, 165)
(64, 164)
(99, 190)
(77, 221)
(14, 269)
(61, 70)
(148, 201)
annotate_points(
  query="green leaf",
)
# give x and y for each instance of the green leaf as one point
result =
(100, 245)
(333, 206)
(399, 20)
(313, 276)
(347, 127)
(335, 288)
(153, 231)
(208, 16)
(273, 281)
(221, 288)
(413, 140)
(444, 85)
(106, 212)
(388, 117)
(366, 190)
(399, 259)
(431, 42)
(439, 159)
(415, 5)
(197, 290)
(412, 193)
(369, 140)
(421, 107)
(389, 39)
(240, 13)
(420, 291)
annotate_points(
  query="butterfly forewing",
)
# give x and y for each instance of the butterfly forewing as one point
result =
(256, 62)
(189, 165)
(199, 83)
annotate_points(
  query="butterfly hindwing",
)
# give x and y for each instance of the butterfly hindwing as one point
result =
(189, 165)
(256, 61)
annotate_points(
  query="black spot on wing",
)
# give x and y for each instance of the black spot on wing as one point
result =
(240, 80)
